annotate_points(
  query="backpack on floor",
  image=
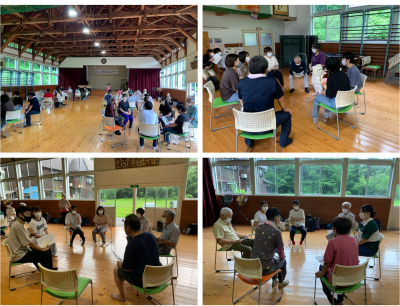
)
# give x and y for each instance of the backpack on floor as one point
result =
(159, 226)
(215, 82)
(317, 223)
(85, 221)
(311, 225)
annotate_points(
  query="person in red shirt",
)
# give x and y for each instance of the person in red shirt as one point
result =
(48, 94)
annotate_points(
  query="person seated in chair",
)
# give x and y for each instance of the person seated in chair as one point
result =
(33, 108)
(19, 240)
(257, 93)
(48, 94)
(298, 69)
(208, 65)
(368, 235)
(170, 234)
(77, 94)
(192, 112)
(18, 102)
(176, 127)
(101, 221)
(140, 252)
(228, 238)
(165, 110)
(73, 221)
(337, 80)
(346, 206)
(260, 216)
(148, 116)
(342, 250)
(352, 71)
(110, 112)
(273, 66)
(6, 106)
(230, 79)
(144, 223)
(38, 227)
(297, 220)
(265, 246)
(243, 68)
(124, 111)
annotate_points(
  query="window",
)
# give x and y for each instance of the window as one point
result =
(107, 197)
(123, 201)
(182, 66)
(276, 179)
(150, 197)
(192, 183)
(7, 172)
(53, 187)
(327, 28)
(174, 81)
(324, 8)
(250, 39)
(397, 196)
(54, 70)
(80, 164)
(79, 189)
(46, 69)
(27, 169)
(24, 65)
(173, 194)
(9, 190)
(30, 190)
(29, 50)
(321, 179)
(10, 63)
(54, 79)
(161, 201)
(37, 79)
(232, 179)
(140, 197)
(192, 92)
(174, 68)
(182, 81)
(46, 79)
(51, 166)
(36, 67)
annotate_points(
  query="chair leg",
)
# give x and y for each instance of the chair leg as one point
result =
(337, 122)
(91, 282)
(259, 291)
(41, 294)
(233, 286)
(173, 293)
(236, 141)
(279, 299)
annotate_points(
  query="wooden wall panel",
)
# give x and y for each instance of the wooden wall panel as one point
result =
(85, 208)
(188, 214)
(326, 208)
(176, 94)
(22, 89)
(206, 43)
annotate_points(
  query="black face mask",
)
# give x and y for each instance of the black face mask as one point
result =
(26, 219)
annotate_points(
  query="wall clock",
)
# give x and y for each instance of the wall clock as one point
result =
(281, 10)
(103, 61)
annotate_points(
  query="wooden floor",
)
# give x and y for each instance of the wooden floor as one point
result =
(75, 128)
(377, 131)
(98, 263)
(301, 268)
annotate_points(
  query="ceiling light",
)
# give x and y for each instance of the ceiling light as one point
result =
(72, 13)
(86, 30)
(103, 52)
(97, 44)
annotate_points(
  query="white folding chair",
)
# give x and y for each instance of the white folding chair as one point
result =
(345, 100)
(185, 134)
(109, 125)
(109, 229)
(13, 117)
(48, 101)
(377, 255)
(145, 130)
(103, 111)
(255, 122)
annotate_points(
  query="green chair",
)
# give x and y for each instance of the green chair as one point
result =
(155, 280)
(378, 255)
(346, 279)
(255, 122)
(13, 117)
(13, 264)
(226, 256)
(185, 135)
(345, 100)
(149, 129)
(64, 285)
(298, 232)
(173, 256)
(217, 103)
(366, 61)
(362, 92)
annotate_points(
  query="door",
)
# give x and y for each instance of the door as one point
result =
(250, 42)
(107, 200)
(395, 211)
(266, 40)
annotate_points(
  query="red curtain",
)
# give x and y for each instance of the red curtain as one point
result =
(144, 79)
(210, 205)
(72, 77)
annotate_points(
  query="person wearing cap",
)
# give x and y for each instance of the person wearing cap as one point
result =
(64, 205)
(18, 102)
(346, 206)
(33, 108)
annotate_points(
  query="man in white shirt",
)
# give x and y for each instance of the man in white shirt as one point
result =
(297, 220)
(346, 206)
(148, 116)
(73, 222)
(273, 66)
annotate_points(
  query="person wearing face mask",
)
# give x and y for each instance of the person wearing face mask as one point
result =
(317, 57)
(273, 66)
(192, 112)
(243, 70)
(110, 112)
(230, 79)
(19, 240)
(298, 69)
(165, 110)
(346, 206)
(368, 235)
(352, 71)
(140, 252)
(168, 99)
(38, 227)
(297, 220)
(124, 111)
(208, 65)
(265, 247)
(228, 238)
(170, 234)
(144, 222)
(176, 127)
(10, 212)
(342, 251)
(73, 222)
(218, 54)
(64, 206)
(101, 221)
(261, 216)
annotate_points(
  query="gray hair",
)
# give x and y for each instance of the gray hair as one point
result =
(113, 98)
(170, 213)
(225, 211)
(297, 58)
(344, 203)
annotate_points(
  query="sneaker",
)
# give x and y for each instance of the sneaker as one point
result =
(301, 242)
(64, 227)
(54, 255)
(27, 125)
(290, 91)
(83, 242)
(141, 147)
(117, 133)
(70, 244)
(95, 243)
(315, 121)
(306, 90)
(284, 283)
(103, 245)
(289, 143)
(130, 126)
(293, 242)
(155, 148)
(274, 282)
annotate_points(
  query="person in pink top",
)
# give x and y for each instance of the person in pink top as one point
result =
(101, 221)
(108, 87)
(342, 250)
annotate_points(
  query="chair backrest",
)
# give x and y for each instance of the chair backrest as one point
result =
(211, 90)
(47, 99)
(9, 94)
(149, 129)
(345, 98)
(363, 79)
(66, 281)
(346, 276)
(104, 103)
(132, 104)
(366, 60)
(185, 127)
(77, 94)
(39, 94)
(248, 267)
(9, 254)
(10, 115)
(157, 276)
(252, 225)
(103, 111)
(3, 222)
(109, 121)
(255, 122)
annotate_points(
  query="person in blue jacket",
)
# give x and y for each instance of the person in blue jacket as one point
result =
(298, 70)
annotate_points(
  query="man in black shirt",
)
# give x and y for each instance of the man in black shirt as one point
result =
(338, 80)
(33, 108)
(208, 65)
(176, 127)
(165, 110)
(18, 102)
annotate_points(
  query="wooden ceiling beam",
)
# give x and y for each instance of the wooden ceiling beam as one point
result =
(10, 39)
(38, 51)
(177, 44)
(190, 37)
(24, 49)
(47, 56)
(55, 59)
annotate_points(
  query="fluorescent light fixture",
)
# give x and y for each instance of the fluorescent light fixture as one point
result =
(86, 30)
(103, 52)
(97, 44)
(72, 13)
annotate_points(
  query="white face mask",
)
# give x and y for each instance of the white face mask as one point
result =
(295, 207)
(219, 53)
(362, 216)
(101, 212)
(73, 212)
(38, 214)
(211, 54)
(139, 215)
(345, 211)
(228, 220)
(124, 99)
(343, 62)
(162, 102)
(264, 208)
(269, 54)
(247, 59)
(314, 50)
(163, 220)
(297, 64)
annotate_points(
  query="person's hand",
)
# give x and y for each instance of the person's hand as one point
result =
(288, 111)
(158, 240)
(45, 249)
(207, 67)
(239, 241)
(319, 274)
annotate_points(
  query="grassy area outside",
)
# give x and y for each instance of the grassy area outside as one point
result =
(396, 202)
(124, 206)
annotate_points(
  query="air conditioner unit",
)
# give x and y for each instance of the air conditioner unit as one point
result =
(244, 176)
